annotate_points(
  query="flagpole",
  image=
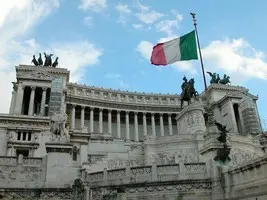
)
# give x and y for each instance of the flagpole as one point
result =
(201, 61)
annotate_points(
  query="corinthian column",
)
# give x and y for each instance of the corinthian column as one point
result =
(136, 126)
(127, 125)
(153, 124)
(161, 124)
(144, 124)
(82, 117)
(43, 101)
(92, 119)
(170, 123)
(118, 124)
(31, 106)
(19, 99)
(100, 120)
(73, 117)
(109, 122)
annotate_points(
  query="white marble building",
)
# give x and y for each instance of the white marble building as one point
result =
(126, 145)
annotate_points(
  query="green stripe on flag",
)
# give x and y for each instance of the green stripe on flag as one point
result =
(188, 46)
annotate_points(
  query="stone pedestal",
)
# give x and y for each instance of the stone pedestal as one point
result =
(191, 120)
(209, 151)
(60, 172)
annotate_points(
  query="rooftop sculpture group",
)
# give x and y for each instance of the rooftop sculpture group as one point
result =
(215, 78)
(188, 91)
(47, 62)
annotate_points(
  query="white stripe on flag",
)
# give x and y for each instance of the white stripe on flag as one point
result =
(172, 51)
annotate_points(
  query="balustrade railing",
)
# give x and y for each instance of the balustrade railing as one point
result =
(147, 173)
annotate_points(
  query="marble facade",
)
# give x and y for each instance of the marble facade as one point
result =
(125, 145)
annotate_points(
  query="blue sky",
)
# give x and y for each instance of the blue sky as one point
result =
(107, 43)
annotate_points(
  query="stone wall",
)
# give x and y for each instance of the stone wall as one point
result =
(246, 182)
(19, 172)
(159, 181)
(34, 194)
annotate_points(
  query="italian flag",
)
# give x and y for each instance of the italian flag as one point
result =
(178, 49)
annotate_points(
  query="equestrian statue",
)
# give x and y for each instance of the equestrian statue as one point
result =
(188, 91)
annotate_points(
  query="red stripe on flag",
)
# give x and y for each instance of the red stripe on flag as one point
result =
(158, 55)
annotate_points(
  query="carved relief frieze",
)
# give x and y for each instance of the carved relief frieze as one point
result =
(187, 187)
(115, 174)
(118, 163)
(241, 156)
(141, 171)
(172, 157)
(168, 169)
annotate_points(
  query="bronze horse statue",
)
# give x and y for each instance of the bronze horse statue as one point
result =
(188, 91)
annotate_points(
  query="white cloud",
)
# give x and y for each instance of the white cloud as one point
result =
(170, 26)
(93, 5)
(138, 26)
(16, 19)
(76, 56)
(235, 57)
(123, 10)
(145, 49)
(146, 15)
(19, 18)
(88, 20)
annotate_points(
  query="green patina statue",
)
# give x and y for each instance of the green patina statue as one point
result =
(215, 78)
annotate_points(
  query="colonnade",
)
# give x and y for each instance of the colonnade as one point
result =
(19, 94)
(144, 117)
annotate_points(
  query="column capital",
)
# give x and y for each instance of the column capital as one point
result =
(152, 114)
(92, 107)
(118, 111)
(33, 87)
(144, 113)
(101, 109)
(83, 107)
(169, 114)
(161, 114)
(44, 88)
(23, 86)
(109, 110)
(73, 105)
(135, 112)
(127, 112)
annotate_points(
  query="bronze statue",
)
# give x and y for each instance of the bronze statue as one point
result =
(47, 62)
(188, 91)
(215, 78)
(222, 154)
(40, 61)
(55, 63)
(34, 61)
(225, 80)
(223, 132)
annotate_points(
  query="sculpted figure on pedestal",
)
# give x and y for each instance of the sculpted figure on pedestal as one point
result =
(188, 91)
(58, 126)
